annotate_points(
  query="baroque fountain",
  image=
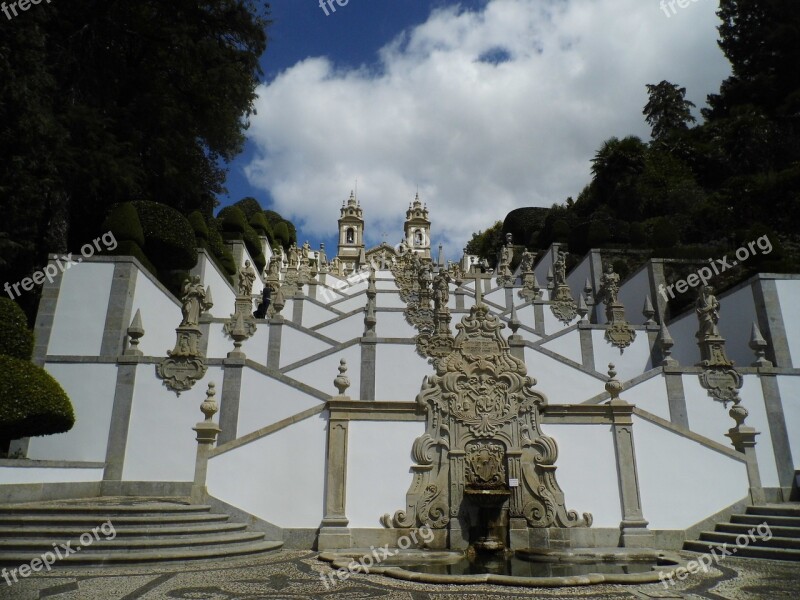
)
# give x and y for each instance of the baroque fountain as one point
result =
(484, 480)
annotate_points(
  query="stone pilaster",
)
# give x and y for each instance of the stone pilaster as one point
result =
(231, 394)
(587, 344)
(276, 325)
(635, 533)
(778, 431)
(120, 417)
(207, 432)
(120, 305)
(46, 315)
(770, 321)
(368, 360)
(297, 307)
(676, 396)
(334, 532)
(743, 439)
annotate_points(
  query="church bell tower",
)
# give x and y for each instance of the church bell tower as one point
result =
(351, 233)
(417, 228)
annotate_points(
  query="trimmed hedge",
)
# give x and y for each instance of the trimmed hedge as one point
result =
(282, 236)
(32, 403)
(169, 238)
(253, 244)
(217, 247)
(199, 225)
(15, 338)
(123, 221)
(259, 222)
(232, 221)
(249, 206)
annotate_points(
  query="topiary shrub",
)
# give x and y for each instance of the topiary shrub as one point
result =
(200, 227)
(123, 221)
(282, 236)
(32, 402)
(253, 244)
(223, 256)
(232, 222)
(259, 222)
(169, 238)
(15, 338)
(249, 206)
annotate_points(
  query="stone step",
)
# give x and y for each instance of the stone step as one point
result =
(730, 538)
(35, 546)
(101, 509)
(143, 556)
(737, 528)
(770, 520)
(790, 509)
(116, 520)
(67, 532)
(747, 552)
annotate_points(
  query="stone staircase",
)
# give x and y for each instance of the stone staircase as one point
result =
(122, 530)
(784, 524)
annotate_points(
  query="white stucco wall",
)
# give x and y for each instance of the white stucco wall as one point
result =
(567, 345)
(80, 315)
(678, 475)
(221, 291)
(710, 418)
(650, 395)
(161, 443)
(789, 387)
(90, 388)
(345, 328)
(392, 300)
(297, 345)
(629, 362)
(321, 373)
(393, 325)
(586, 471)
(552, 324)
(578, 276)
(399, 371)
(789, 298)
(264, 401)
(160, 316)
(313, 314)
(378, 469)
(286, 475)
(561, 383)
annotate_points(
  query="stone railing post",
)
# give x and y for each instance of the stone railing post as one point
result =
(207, 432)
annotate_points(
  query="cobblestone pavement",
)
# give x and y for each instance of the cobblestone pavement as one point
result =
(291, 575)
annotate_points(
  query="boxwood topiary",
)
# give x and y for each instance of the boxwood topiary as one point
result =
(32, 403)
(123, 221)
(259, 222)
(232, 222)
(217, 247)
(15, 338)
(169, 238)
(249, 206)
(282, 234)
(199, 225)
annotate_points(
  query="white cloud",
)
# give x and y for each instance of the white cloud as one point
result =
(479, 139)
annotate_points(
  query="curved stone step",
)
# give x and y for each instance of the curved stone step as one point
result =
(768, 519)
(38, 545)
(102, 509)
(748, 552)
(730, 538)
(142, 556)
(67, 532)
(776, 510)
(117, 520)
(737, 528)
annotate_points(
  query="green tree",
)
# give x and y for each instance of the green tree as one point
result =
(667, 110)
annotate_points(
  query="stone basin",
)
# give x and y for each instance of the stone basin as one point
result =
(488, 498)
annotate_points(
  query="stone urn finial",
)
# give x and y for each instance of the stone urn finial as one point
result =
(209, 405)
(758, 345)
(613, 385)
(648, 311)
(135, 331)
(342, 382)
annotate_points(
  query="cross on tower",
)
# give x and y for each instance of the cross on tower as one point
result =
(478, 277)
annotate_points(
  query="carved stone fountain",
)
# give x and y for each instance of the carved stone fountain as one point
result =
(484, 476)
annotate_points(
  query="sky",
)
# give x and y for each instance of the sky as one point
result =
(482, 106)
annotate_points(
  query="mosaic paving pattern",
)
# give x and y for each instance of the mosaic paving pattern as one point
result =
(291, 575)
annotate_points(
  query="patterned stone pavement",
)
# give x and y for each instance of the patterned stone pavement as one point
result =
(291, 575)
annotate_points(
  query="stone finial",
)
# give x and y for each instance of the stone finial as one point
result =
(613, 385)
(583, 310)
(666, 343)
(588, 291)
(342, 382)
(209, 405)
(514, 324)
(239, 335)
(135, 331)
(550, 278)
(759, 345)
(648, 311)
(209, 303)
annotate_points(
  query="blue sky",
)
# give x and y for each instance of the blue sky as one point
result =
(484, 105)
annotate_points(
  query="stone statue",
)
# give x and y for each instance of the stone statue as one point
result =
(441, 290)
(707, 309)
(193, 301)
(306, 250)
(246, 279)
(610, 283)
(322, 259)
(293, 257)
(560, 269)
